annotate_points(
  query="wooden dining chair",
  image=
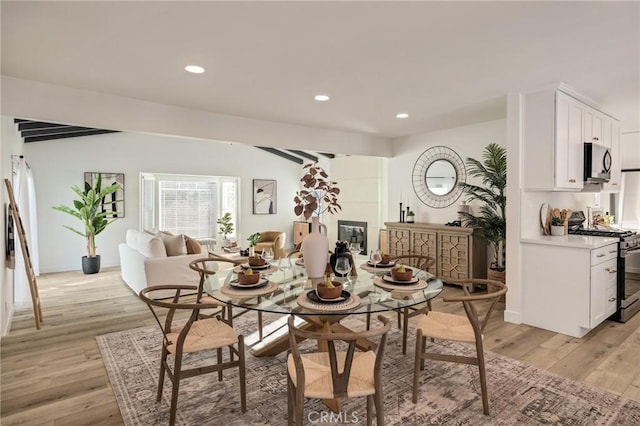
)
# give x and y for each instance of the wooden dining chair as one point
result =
(335, 374)
(207, 267)
(469, 328)
(423, 263)
(195, 335)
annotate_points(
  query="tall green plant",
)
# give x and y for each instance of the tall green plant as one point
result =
(90, 212)
(491, 219)
(225, 224)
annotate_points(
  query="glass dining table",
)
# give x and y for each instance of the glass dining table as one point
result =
(288, 291)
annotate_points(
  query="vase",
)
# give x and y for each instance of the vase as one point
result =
(91, 265)
(315, 251)
(557, 230)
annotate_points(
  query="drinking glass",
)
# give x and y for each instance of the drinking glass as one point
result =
(375, 257)
(343, 266)
(354, 248)
(267, 255)
(284, 264)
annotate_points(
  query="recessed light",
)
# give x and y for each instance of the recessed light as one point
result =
(194, 69)
(321, 98)
(402, 115)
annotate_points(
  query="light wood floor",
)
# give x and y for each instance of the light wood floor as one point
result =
(56, 375)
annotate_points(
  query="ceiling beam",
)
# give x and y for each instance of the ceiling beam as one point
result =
(281, 154)
(304, 154)
(90, 132)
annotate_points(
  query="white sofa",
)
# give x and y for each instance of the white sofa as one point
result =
(144, 262)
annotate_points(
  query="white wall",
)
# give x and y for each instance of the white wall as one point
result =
(10, 144)
(363, 194)
(59, 164)
(467, 141)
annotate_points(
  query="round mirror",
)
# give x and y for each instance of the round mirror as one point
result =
(436, 175)
(441, 177)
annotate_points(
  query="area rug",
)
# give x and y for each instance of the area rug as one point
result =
(449, 393)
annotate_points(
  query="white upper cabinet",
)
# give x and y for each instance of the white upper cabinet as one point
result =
(555, 128)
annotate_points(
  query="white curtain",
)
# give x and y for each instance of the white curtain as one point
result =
(25, 194)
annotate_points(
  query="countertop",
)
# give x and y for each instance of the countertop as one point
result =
(577, 241)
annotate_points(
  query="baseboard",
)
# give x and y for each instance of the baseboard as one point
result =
(512, 317)
(7, 325)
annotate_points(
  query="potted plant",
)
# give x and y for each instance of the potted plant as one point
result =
(225, 227)
(89, 209)
(317, 196)
(491, 219)
(253, 240)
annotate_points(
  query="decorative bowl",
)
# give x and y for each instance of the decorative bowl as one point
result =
(325, 292)
(401, 276)
(256, 261)
(386, 259)
(244, 279)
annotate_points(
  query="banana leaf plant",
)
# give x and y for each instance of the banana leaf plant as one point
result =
(89, 210)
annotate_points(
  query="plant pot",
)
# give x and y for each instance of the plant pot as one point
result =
(329, 292)
(91, 265)
(244, 279)
(401, 276)
(557, 230)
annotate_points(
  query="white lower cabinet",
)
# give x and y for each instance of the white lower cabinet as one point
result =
(568, 290)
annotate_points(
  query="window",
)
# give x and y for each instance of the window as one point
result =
(185, 204)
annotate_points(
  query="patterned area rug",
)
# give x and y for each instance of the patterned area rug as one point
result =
(449, 393)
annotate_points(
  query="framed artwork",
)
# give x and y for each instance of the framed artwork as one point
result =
(115, 203)
(265, 196)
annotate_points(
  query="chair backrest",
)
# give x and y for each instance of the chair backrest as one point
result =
(206, 267)
(340, 379)
(183, 299)
(416, 260)
(276, 239)
(494, 290)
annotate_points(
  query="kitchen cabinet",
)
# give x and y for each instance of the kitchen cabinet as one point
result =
(568, 289)
(613, 129)
(555, 127)
(300, 230)
(459, 252)
(553, 143)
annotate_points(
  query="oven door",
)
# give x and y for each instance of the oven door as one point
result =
(629, 283)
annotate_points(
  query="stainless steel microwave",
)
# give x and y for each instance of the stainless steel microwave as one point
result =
(597, 163)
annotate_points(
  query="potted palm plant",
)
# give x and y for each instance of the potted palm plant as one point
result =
(225, 227)
(89, 210)
(491, 219)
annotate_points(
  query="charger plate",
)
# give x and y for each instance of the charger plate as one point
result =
(250, 292)
(351, 303)
(377, 269)
(379, 282)
(271, 269)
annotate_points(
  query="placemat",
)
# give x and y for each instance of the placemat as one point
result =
(250, 292)
(351, 303)
(408, 288)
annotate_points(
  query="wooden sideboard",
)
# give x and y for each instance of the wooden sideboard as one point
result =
(300, 230)
(458, 251)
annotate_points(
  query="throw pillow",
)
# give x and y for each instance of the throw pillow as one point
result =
(174, 244)
(193, 246)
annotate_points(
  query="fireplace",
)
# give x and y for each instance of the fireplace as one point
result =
(353, 232)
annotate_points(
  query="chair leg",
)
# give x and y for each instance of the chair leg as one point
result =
(163, 360)
(377, 401)
(369, 410)
(259, 323)
(299, 406)
(176, 388)
(416, 366)
(483, 378)
(219, 358)
(243, 379)
(405, 330)
(368, 320)
(399, 319)
(290, 401)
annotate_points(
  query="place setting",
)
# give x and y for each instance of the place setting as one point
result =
(249, 283)
(378, 263)
(328, 296)
(400, 279)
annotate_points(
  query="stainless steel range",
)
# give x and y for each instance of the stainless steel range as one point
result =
(628, 283)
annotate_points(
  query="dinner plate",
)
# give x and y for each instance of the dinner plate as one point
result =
(381, 265)
(247, 266)
(313, 296)
(388, 278)
(261, 283)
